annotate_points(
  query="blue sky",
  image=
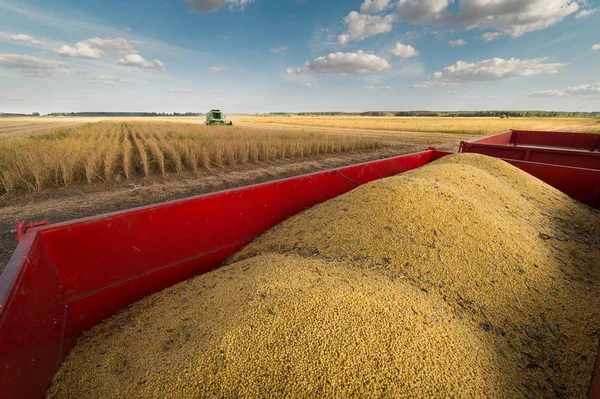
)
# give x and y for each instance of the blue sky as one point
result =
(298, 55)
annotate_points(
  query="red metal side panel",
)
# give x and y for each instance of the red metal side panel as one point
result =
(583, 141)
(580, 184)
(578, 159)
(35, 324)
(586, 160)
(497, 139)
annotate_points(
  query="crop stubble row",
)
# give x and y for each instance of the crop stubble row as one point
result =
(108, 151)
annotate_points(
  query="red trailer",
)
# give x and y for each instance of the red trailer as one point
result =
(569, 162)
(65, 278)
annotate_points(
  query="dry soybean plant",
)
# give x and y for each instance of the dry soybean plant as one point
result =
(110, 151)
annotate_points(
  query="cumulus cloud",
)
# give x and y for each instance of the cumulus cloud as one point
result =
(511, 18)
(456, 43)
(24, 38)
(497, 69)
(489, 36)
(95, 48)
(80, 50)
(31, 66)
(214, 5)
(423, 11)
(404, 51)
(137, 61)
(477, 97)
(279, 50)
(514, 18)
(361, 26)
(218, 68)
(435, 84)
(592, 90)
(490, 70)
(105, 80)
(596, 47)
(377, 87)
(585, 13)
(343, 63)
(374, 6)
(118, 45)
(549, 93)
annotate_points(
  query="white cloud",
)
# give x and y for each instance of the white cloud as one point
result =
(596, 47)
(105, 80)
(377, 87)
(137, 61)
(404, 51)
(24, 38)
(361, 26)
(180, 91)
(279, 50)
(423, 11)
(549, 93)
(435, 84)
(497, 69)
(214, 5)
(585, 13)
(592, 90)
(489, 36)
(477, 97)
(310, 86)
(118, 45)
(343, 63)
(81, 50)
(31, 66)
(456, 43)
(584, 90)
(218, 68)
(512, 18)
(374, 6)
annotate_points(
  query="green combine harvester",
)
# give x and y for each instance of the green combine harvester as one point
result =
(216, 118)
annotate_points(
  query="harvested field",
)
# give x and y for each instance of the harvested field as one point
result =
(477, 126)
(107, 152)
(15, 127)
(465, 278)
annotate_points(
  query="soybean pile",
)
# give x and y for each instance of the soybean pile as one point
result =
(464, 278)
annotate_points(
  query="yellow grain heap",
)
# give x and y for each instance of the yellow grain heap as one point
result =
(465, 278)
(279, 325)
(475, 230)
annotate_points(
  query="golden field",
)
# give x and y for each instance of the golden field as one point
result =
(111, 151)
(14, 127)
(481, 126)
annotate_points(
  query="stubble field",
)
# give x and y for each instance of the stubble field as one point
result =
(479, 126)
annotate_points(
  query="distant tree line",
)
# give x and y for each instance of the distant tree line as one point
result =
(473, 114)
(123, 114)
(3, 114)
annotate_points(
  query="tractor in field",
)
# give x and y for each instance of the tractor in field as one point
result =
(216, 118)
